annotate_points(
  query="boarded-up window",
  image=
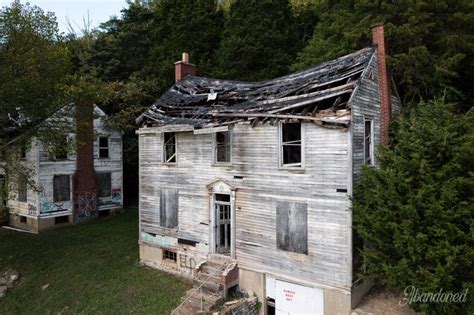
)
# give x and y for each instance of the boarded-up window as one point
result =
(103, 147)
(22, 189)
(169, 208)
(291, 155)
(292, 226)
(222, 147)
(368, 143)
(61, 188)
(105, 184)
(169, 148)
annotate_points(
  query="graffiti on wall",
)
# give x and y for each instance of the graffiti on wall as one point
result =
(113, 200)
(31, 209)
(186, 261)
(48, 206)
(86, 204)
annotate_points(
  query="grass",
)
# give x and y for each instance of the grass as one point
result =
(89, 269)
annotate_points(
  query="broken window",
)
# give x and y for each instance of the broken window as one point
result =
(222, 147)
(169, 255)
(292, 226)
(22, 189)
(169, 208)
(368, 143)
(103, 147)
(169, 148)
(291, 152)
(105, 184)
(61, 188)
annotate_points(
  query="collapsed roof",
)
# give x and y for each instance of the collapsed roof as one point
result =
(319, 94)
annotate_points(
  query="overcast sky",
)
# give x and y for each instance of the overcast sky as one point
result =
(76, 10)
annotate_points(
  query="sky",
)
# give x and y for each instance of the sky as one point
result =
(76, 10)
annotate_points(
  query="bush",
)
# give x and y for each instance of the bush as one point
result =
(415, 212)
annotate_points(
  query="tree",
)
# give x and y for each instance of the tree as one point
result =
(34, 63)
(415, 213)
(430, 42)
(192, 26)
(260, 40)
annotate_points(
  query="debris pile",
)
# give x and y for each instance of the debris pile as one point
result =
(8, 280)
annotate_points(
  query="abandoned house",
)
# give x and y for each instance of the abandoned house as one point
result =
(69, 186)
(248, 184)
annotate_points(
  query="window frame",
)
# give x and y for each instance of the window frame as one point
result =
(99, 174)
(22, 193)
(104, 148)
(214, 148)
(169, 255)
(371, 142)
(69, 182)
(65, 155)
(281, 144)
(163, 155)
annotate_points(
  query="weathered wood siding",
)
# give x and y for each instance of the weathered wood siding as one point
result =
(366, 104)
(41, 204)
(261, 186)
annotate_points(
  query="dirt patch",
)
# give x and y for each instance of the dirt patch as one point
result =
(381, 301)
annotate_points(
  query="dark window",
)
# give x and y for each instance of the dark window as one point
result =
(105, 184)
(291, 144)
(61, 149)
(222, 147)
(23, 152)
(169, 255)
(169, 148)
(292, 227)
(22, 189)
(368, 143)
(103, 147)
(169, 208)
(61, 219)
(2, 190)
(22, 219)
(61, 188)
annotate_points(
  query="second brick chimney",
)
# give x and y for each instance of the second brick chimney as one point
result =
(378, 38)
(183, 68)
(84, 180)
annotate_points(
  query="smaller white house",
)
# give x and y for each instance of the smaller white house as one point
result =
(54, 201)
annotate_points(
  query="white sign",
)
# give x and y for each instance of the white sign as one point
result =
(298, 300)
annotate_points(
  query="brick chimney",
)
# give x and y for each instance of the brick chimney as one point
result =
(84, 180)
(378, 39)
(183, 68)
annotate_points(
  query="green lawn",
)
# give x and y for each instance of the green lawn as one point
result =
(91, 268)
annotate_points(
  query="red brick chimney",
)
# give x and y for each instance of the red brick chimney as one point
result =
(84, 180)
(378, 39)
(183, 68)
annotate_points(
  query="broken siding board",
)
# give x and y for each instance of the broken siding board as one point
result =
(263, 184)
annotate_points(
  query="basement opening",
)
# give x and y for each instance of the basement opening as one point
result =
(61, 219)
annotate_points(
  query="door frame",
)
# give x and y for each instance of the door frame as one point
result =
(221, 187)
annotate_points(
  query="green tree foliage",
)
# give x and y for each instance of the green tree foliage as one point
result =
(34, 63)
(260, 40)
(192, 26)
(122, 45)
(415, 213)
(431, 43)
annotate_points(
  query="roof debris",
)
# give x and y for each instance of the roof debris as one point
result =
(319, 94)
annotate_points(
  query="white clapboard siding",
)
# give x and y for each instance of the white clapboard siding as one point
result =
(255, 158)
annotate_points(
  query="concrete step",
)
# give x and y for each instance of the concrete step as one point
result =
(209, 286)
(209, 301)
